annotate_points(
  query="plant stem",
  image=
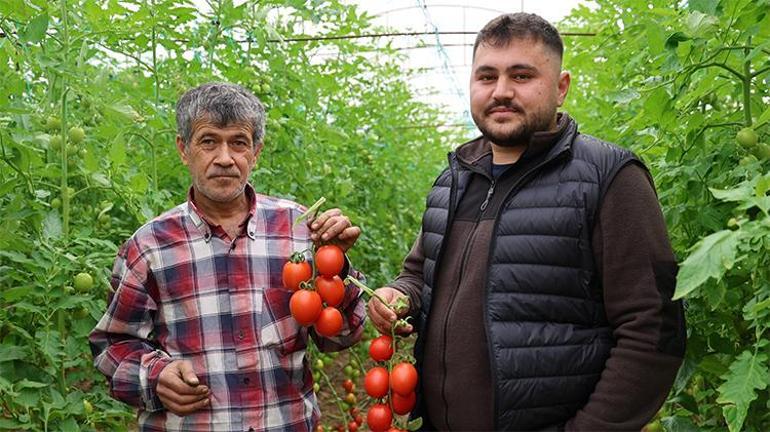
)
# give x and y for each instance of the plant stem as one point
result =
(747, 88)
(156, 91)
(312, 209)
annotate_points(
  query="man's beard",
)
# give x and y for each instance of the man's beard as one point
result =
(522, 132)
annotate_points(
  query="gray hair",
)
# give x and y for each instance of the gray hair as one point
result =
(223, 104)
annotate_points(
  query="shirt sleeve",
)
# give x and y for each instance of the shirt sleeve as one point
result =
(410, 280)
(638, 271)
(121, 343)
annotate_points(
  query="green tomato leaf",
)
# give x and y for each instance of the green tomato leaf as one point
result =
(747, 374)
(710, 258)
(35, 30)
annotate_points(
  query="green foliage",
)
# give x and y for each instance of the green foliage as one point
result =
(676, 82)
(341, 123)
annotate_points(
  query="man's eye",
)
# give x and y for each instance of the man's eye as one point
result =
(486, 78)
(521, 77)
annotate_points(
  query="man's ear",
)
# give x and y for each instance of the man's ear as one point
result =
(181, 149)
(564, 81)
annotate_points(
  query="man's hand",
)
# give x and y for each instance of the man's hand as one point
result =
(332, 226)
(179, 390)
(382, 316)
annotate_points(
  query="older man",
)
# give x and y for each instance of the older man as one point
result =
(543, 275)
(197, 334)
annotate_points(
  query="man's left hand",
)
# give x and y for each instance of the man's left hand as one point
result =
(332, 226)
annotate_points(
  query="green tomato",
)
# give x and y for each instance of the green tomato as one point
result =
(316, 387)
(53, 123)
(55, 142)
(55, 203)
(319, 364)
(83, 282)
(87, 407)
(747, 138)
(761, 151)
(77, 134)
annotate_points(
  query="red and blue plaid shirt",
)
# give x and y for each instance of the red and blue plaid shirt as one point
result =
(183, 290)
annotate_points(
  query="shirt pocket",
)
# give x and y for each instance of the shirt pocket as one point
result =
(278, 329)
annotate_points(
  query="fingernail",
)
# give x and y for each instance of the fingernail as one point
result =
(314, 226)
(325, 237)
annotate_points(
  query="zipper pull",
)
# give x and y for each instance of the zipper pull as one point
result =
(489, 195)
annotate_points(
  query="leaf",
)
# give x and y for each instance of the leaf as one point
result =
(12, 352)
(747, 374)
(710, 257)
(52, 227)
(673, 41)
(25, 383)
(705, 6)
(700, 24)
(743, 192)
(764, 118)
(35, 30)
(414, 424)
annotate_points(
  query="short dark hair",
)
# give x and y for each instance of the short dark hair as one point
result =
(521, 25)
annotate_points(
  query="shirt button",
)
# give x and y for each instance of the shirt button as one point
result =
(241, 335)
(246, 380)
(251, 429)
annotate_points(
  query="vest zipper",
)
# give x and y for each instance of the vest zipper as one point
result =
(485, 304)
(489, 194)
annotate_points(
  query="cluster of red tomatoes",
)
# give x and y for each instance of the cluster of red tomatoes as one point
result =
(307, 302)
(393, 389)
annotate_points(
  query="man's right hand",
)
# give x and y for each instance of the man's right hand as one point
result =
(382, 316)
(179, 389)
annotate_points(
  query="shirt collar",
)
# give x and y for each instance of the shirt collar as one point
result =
(205, 226)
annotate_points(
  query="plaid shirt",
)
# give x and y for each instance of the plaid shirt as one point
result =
(183, 290)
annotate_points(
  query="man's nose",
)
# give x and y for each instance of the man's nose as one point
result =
(504, 89)
(223, 156)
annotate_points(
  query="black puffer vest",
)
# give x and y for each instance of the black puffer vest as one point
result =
(544, 316)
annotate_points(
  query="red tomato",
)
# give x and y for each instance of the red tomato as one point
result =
(376, 382)
(352, 426)
(381, 348)
(349, 386)
(403, 378)
(329, 323)
(403, 404)
(331, 289)
(379, 417)
(294, 273)
(305, 306)
(329, 260)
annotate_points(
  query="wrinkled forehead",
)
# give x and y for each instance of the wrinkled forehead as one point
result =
(209, 124)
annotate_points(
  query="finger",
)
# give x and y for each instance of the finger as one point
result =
(187, 373)
(175, 384)
(333, 227)
(350, 234)
(186, 409)
(166, 394)
(321, 219)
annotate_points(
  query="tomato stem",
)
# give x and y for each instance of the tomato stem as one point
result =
(337, 399)
(366, 289)
(312, 209)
